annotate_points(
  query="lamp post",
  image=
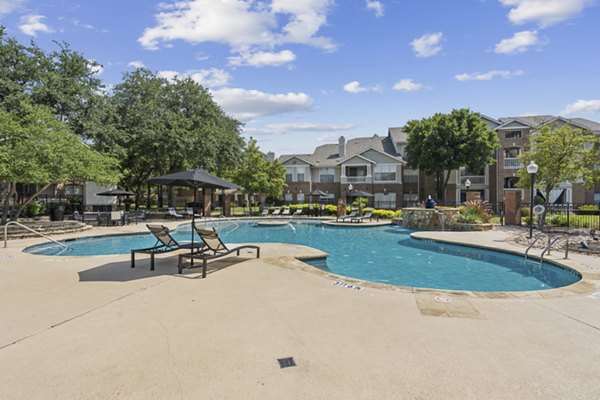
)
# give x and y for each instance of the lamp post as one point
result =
(467, 185)
(532, 169)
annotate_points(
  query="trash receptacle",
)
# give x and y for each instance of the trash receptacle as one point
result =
(58, 213)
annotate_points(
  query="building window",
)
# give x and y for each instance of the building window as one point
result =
(511, 152)
(300, 177)
(510, 182)
(300, 197)
(326, 175)
(512, 134)
(385, 200)
(597, 197)
(288, 197)
(73, 190)
(385, 173)
(288, 177)
(410, 175)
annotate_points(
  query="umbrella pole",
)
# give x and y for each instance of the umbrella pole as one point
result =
(193, 225)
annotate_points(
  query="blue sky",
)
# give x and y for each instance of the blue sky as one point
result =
(302, 73)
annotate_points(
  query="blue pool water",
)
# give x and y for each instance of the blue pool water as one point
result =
(383, 254)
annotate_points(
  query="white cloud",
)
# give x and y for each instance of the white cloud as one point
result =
(8, 6)
(80, 24)
(376, 7)
(427, 45)
(251, 25)
(544, 12)
(283, 128)
(246, 105)
(136, 64)
(408, 85)
(354, 87)
(262, 58)
(520, 42)
(487, 76)
(582, 107)
(32, 24)
(212, 77)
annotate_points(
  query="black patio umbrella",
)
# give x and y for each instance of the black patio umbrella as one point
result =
(359, 193)
(117, 193)
(194, 178)
(316, 193)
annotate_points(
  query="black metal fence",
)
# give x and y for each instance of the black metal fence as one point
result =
(579, 216)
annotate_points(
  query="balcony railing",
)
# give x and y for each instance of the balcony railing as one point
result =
(512, 163)
(356, 179)
(475, 180)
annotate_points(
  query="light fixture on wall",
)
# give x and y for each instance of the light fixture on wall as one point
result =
(385, 191)
(468, 184)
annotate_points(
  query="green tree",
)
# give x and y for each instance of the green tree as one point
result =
(445, 142)
(37, 148)
(156, 127)
(257, 175)
(563, 154)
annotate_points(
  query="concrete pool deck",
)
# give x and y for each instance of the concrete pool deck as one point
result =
(92, 328)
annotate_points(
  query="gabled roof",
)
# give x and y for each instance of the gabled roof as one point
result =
(302, 157)
(398, 159)
(532, 121)
(327, 155)
(591, 125)
(397, 135)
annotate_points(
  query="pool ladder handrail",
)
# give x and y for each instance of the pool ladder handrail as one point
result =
(547, 249)
(31, 230)
(538, 237)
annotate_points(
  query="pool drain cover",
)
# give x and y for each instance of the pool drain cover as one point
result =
(441, 299)
(286, 362)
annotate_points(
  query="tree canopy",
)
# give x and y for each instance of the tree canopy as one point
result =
(562, 153)
(257, 175)
(37, 148)
(445, 142)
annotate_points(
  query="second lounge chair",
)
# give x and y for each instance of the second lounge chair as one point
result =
(213, 248)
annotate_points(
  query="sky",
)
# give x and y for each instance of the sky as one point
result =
(301, 73)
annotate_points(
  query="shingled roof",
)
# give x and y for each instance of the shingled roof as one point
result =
(327, 155)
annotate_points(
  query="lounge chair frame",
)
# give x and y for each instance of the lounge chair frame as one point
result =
(165, 243)
(349, 216)
(213, 247)
(368, 215)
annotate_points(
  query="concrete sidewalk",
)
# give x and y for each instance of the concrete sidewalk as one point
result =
(92, 328)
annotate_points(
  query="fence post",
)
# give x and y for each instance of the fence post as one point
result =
(568, 216)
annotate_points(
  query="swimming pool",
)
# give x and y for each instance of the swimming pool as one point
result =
(381, 254)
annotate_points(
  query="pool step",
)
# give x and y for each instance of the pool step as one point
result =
(48, 228)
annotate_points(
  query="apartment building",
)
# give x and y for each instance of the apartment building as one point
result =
(376, 165)
(493, 181)
(372, 164)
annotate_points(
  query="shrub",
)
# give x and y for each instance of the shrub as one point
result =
(589, 207)
(524, 212)
(474, 212)
(33, 209)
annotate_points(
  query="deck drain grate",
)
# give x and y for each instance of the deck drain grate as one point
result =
(286, 362)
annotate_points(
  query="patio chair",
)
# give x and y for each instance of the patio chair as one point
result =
(213, 248)
(276, 211)
(77, 216)
(173, 213)
(286, 211)
(368, 214)
(190, 213)
(140, 216)
(165, 243)
(298, 212)
(349, 216)
(264, 212)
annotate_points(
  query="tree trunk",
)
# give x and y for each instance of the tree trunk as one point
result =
(148, 198)
(12, 189)
(439, 185)
(30, 199)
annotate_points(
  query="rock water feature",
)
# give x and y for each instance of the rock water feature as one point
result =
(429, 219)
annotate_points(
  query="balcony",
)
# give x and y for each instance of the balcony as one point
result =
(475, 179)
(356, 179)
(512, 163)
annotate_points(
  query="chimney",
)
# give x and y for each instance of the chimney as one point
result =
(270, 156)
(342, 147)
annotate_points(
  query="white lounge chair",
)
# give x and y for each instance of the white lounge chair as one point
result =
(173, 213)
